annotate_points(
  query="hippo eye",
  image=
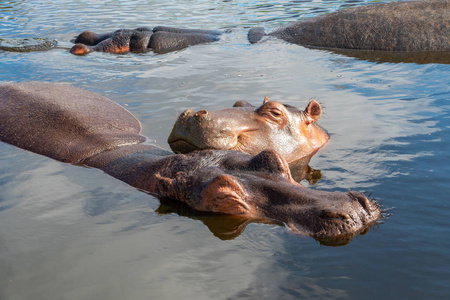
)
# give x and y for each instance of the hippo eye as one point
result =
(273, 112)
(276, 113)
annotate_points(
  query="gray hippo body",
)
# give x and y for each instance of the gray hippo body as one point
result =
(396, 26)
(80, 127)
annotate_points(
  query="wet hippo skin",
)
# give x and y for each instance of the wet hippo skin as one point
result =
(422, 25)
(160, 39)
(291, 132)
(80, 127)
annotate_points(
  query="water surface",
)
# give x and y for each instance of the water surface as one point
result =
(74, 233)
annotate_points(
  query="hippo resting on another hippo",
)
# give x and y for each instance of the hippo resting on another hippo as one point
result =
(397, 26)
(292, 133)
(159, 39)
(80, 127)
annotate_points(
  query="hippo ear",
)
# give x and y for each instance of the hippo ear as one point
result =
(269, 161)
(226, 195)
(313, 111)
(242, 103)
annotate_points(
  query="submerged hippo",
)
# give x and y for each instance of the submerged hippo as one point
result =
(80, 127)
(396, 26)
(291, 132)
(158, 39)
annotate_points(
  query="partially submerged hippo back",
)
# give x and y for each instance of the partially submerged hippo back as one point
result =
(50, 121)
(395, 26)
(289, 131)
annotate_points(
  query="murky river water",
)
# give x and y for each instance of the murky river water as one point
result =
(74, 233)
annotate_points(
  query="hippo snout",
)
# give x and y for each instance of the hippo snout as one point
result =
(333, 218)
(188, 133)
(189, 115)
(334, 215)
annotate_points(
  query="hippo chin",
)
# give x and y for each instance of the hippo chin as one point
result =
(76, 126)
(291, 132)
(160, 39)
(395, 26)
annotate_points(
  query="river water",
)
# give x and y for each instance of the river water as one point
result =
(75, 233)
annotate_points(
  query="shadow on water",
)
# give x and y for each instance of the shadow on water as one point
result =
(426, 57)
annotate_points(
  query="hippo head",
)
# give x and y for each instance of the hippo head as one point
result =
(261, 187)
(289, 131)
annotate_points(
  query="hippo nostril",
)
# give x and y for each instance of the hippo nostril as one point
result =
(187, 113)
(334, 215)
(365, 203)
(202, 114)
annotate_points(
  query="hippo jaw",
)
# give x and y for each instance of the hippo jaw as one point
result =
(293, 133)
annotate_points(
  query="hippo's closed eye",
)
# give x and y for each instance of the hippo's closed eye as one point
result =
(273, 112)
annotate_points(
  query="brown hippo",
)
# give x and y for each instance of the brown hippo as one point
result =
(159, 39)
(395, 26)
(291, 132)
(80, 127)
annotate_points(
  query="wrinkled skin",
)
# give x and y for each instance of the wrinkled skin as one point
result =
(160, 39)
(77, 126)
(395, 26)
(293, 133)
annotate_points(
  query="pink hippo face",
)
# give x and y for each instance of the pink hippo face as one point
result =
(291, 132)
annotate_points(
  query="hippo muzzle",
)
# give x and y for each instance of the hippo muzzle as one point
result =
(208, 130)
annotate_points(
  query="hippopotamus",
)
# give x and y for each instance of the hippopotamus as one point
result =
(160, 39)
(395, 26)
(76, 126)
(291, 132)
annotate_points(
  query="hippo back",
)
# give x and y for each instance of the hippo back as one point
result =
(394, 26)
(63, 122)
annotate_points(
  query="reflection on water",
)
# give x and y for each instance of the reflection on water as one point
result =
(301, 170)
(223, 227)
(398, 57)
(75, 233)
